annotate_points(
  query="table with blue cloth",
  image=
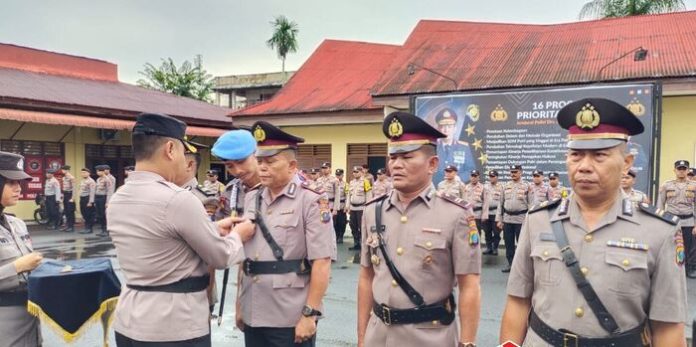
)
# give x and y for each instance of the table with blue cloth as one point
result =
(70, 295)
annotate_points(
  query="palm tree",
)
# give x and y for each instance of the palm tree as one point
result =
(597, 9)
(189, 80)
(284, 39)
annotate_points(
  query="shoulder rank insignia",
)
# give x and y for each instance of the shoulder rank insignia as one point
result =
(654, 211)
(377, 198)
(305, 185)
(545, 205)
(679, 244)
(627, 207)
(457, 201)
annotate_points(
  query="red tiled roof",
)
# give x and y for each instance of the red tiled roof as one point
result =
(337, 77)
(493, 55)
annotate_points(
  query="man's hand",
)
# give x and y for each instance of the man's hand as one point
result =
(245, 229)
(28, 262)
(225, 225)
(238, 320)
(89, 204)
(499, 225)
(305, 329)
(71, 200)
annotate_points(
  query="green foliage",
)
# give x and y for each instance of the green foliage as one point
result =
(284, 39)
(189, 80)
(597, 9)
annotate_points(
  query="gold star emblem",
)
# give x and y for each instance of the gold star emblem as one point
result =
(470, 130)
(483, 158)
(477, 144)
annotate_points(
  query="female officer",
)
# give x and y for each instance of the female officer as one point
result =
(17, 327)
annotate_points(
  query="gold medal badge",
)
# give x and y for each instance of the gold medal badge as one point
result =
(259, 134)
(587, 118)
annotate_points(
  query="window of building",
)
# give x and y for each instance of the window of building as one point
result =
(312, 156)
(372, 154)
(117, 157)
(39, 157)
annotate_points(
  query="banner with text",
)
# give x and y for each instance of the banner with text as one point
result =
(490, 131)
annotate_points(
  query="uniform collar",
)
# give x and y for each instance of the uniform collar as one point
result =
(142, 176)
(569, 209)
(426, 196)
(193, 183)
(290, 190)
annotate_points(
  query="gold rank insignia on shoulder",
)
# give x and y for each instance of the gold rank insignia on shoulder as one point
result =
(259, 134)
(395, 128)
(587, 118)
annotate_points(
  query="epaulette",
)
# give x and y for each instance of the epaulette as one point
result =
(376, 198)
(545, 205)
(257, 186)
(656, 212)
(205, 193)
(455, 200)
(305, 185)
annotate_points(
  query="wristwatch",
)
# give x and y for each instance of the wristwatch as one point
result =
(467, 344)
(308, 311)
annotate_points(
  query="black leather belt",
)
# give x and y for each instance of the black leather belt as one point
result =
(684, 216)
(99, 196)
(342, 200)
(442, 311)
(14, 299)
(186, 285)
(357, 204)
(479, 208)
(515, 213)
(633, 337)
(299, 266)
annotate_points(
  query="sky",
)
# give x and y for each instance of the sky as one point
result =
(231, 35)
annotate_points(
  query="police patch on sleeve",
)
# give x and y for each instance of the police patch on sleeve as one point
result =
(473, 233)
(324, 213)
(679, 244)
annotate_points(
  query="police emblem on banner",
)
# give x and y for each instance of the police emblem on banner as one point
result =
(473, 111)
(499, 114)
(636, 107)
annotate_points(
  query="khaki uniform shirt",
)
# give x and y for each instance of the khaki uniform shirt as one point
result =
(454, 188)
(342, 190)
(17, 326)
(679, 198)
(196, 189)
(213, 188)
(359, 192)
(558, 192)
(104, 187)
(68, 182)
(52, 188)
(428, 242)
(478, 196)
(381, 187)
(494, 193)
(162, 235)
(329, 185)
(636, 196)
(632, 283)
(540, 193)
(517, 196)
(112, 187)
(300, 222)
(88, 187)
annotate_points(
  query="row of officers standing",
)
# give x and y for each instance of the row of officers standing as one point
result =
(591, 269)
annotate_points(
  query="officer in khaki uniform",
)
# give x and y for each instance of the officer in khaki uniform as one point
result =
(17, 258)
(592, 269)
(53, 196)
(68, 199)
(328, 183)
(165, 243)
(634, 195)
(88, 188)
(556, 189)
(451, 185)
(212, 185)
(382, 185)
(514, 204)
(359, 192)
(678, 197)
(339, 209)
(540, 191)
(102, 195)
(288, 262)
(418, 244)
(490, 227)
(479, 198)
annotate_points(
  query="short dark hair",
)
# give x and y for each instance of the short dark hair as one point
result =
(145, 146)
(197, 158)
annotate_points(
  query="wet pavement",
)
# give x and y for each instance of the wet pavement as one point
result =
(338, 329)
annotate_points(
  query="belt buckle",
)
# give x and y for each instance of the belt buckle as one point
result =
(568, 337)
(247, 267)
(386, 315)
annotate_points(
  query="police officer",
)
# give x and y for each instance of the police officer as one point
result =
(102, 195)
(17, 259)
(594, 269)
(490, 227)
(313, 176)
(112, 179)
(627, 181)
(540, 191)
(88, 188)
(678, 197)
(383, 184)
(68, 199)
(451, 185)
(189, 181)
(328, 183)
(165, 242)
(53, 197)
(288, 263)
(127, 170)
(367, 174)
(451, 151)
(479, 198)
(514, 204)
(556, 189)
(359, 192)
(339, 209)
(212, 185)
(691, 174)
(417, 244)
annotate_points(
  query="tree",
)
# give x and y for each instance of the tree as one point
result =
(284, 39)
(597, 9)
(189, 80)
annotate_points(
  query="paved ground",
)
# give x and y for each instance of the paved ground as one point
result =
(338, 329)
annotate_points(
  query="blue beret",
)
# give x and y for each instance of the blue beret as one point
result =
(234, 145)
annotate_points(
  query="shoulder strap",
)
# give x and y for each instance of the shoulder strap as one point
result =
(606, 320)
(412, 294)
(277, 251)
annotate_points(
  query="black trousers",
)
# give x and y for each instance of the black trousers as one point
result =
(340, 222)
(492, 233)
(689, 247)
(511, 233)
(273, 337)
(124, 341)
(100, 211)
(69, 209)
(52, 210)
(355, 225)
(87, 212)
